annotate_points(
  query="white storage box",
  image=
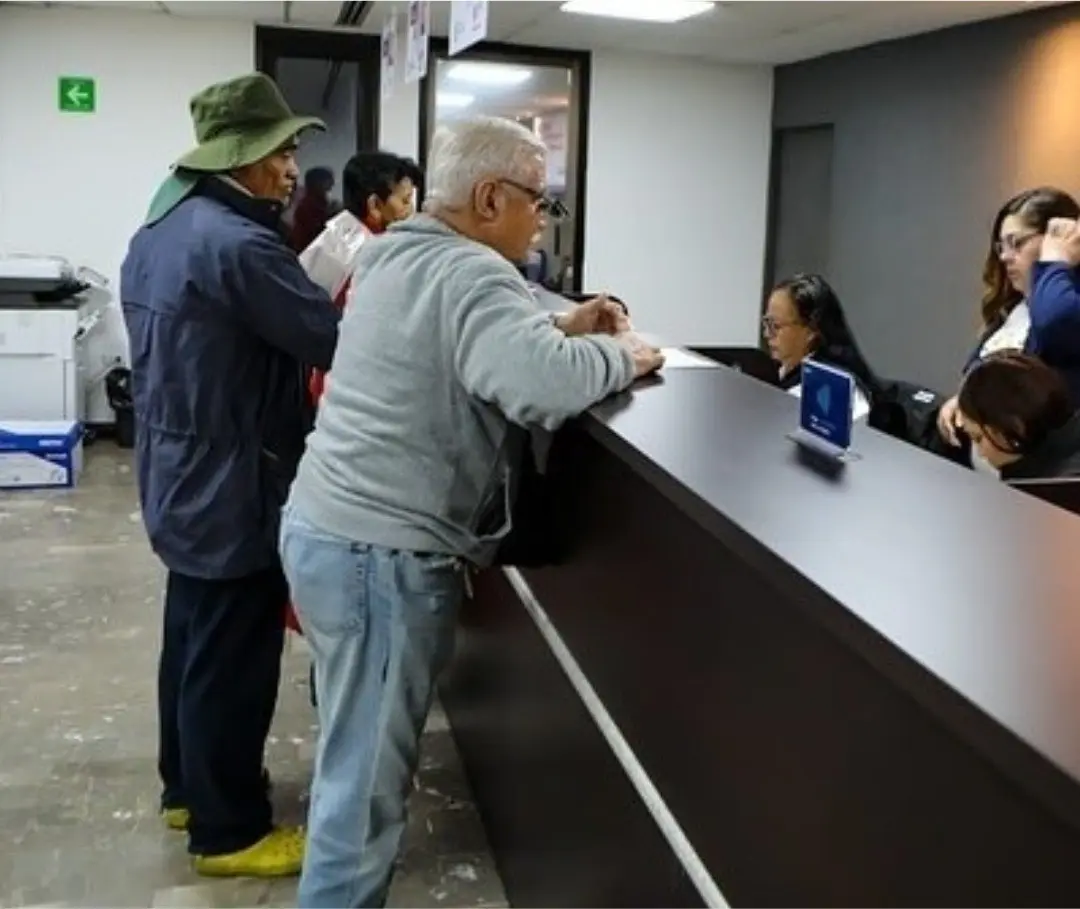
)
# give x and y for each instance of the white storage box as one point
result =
(40, 455)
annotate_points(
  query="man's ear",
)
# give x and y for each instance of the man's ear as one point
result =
(485, 199)
(374, 216)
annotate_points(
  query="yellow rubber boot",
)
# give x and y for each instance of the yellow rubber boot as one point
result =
(278, 854)
(176, 818)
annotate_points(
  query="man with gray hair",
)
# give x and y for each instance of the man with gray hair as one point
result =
(444, 360)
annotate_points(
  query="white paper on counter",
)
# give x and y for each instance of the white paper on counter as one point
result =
(677, 358)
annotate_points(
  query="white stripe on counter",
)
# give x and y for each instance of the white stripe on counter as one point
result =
(665, 820)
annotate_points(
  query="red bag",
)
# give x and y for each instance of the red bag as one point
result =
(292, 623)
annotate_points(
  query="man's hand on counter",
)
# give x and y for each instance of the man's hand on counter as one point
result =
(598, 316)
(647, 359)
(602, 315)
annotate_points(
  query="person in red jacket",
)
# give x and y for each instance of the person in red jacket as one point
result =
(379, 188)
(313, 209)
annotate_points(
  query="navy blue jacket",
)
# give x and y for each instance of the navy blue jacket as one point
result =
(224, 325)
(1054, 303)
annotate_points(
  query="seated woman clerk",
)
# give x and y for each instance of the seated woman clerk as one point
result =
(1032, 291)
(804, 318)
(1019, 415)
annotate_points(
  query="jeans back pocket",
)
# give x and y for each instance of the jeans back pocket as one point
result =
(328, 578)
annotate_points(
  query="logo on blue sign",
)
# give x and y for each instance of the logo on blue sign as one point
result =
(828, 398)
(824, 400)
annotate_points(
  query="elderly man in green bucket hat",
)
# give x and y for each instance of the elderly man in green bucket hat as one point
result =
(224, 327)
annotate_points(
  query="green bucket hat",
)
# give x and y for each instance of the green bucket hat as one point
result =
(240, 122)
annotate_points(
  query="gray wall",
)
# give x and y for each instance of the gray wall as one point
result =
(932, 134)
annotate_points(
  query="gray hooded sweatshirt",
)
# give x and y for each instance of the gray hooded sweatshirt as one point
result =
(442, 352)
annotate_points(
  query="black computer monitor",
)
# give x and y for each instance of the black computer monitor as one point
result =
(753, 361)
(1063, 492)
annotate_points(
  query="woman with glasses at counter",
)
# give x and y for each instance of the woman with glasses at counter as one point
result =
(1032, 296)
(804, 318)
(1019, 416)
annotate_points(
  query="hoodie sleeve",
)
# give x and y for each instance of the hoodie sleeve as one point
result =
(1054, 304)
(510, 354)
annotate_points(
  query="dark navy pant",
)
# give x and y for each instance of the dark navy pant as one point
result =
(217, 690)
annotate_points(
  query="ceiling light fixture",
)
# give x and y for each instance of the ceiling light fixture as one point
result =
(639, 10)
(453, 100)
(488, 73)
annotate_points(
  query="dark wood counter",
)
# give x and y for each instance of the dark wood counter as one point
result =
(848, 688)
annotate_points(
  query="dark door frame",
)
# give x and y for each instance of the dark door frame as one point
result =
(580, 65)
(271, 44)
(773, 201)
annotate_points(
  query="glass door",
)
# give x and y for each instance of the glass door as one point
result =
(543, 96)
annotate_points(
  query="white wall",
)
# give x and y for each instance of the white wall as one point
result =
(78, 185)
(676, 194)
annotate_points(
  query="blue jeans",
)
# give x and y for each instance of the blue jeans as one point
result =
(381, 627)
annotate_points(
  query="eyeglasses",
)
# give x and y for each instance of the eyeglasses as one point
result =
(543, 203)
(772, 327)
(1014, 244)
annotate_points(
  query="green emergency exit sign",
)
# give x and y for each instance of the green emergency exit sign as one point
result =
(77, 95)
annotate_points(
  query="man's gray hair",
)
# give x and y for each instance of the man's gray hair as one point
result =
(466, 151)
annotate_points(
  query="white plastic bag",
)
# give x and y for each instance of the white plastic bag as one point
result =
(331, 258)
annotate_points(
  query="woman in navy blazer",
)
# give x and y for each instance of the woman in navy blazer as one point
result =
(1055, 302)
(1032, 296)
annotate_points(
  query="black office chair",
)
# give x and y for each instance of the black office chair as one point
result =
(908, 412)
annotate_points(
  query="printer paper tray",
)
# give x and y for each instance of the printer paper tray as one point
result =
(34, 274)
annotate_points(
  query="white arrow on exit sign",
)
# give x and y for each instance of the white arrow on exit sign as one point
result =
(78, 95)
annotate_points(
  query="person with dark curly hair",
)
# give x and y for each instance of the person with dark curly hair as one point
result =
(380, 190)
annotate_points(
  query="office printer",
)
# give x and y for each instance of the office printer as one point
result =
(29, 281)
(48, 311)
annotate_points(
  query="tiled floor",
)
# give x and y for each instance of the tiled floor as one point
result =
(79, 617)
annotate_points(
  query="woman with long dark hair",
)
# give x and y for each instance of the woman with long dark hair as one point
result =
(804, 318)
(1026, 303)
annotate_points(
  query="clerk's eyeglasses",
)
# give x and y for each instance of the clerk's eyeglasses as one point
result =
(772, 326)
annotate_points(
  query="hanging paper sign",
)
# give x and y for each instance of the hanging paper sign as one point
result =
(388, 56)
(416, 51)
(468, 24)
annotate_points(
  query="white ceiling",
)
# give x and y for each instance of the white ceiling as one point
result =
(751, 31)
